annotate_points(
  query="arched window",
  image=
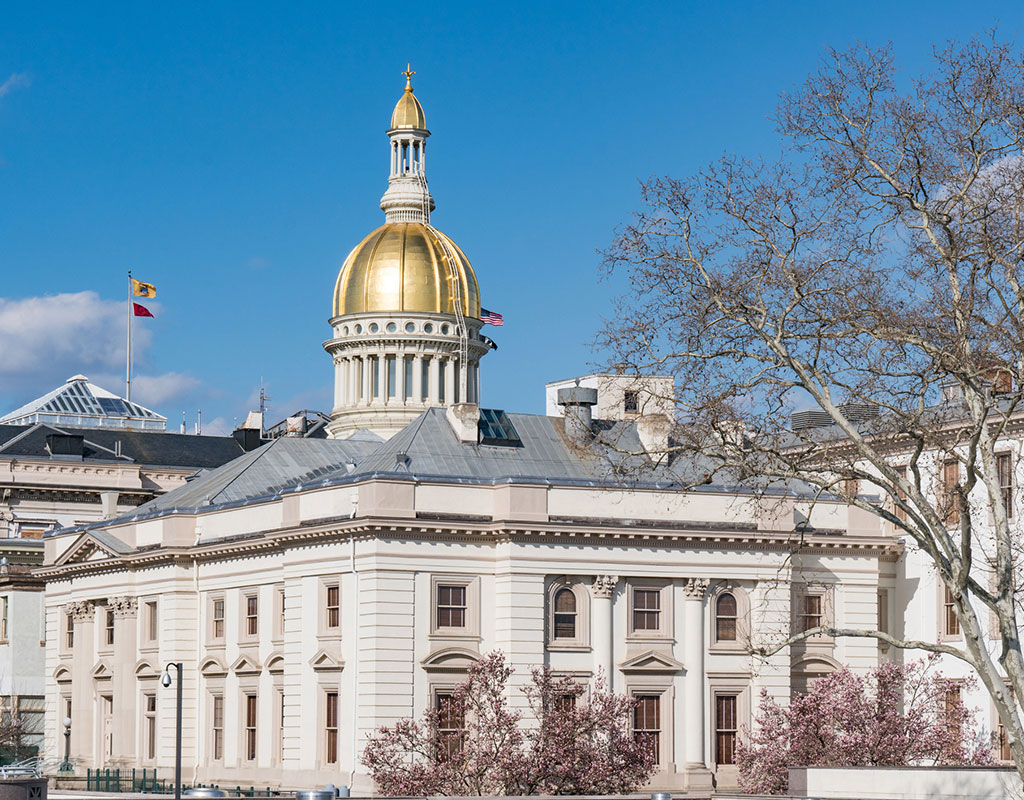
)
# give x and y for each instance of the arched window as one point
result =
(565, 614)
(725, 617)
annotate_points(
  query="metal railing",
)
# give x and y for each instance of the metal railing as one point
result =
(146, 781)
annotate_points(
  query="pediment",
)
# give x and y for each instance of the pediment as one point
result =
(450, 659)
(275, 662)
(212, 667)
(245, 665)
(651, 662)
(324, 661)
(145, 669)
(62, 674)
(102, 671)
(86, 548)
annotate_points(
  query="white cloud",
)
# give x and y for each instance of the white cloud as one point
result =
(18, 80)
(152, 391)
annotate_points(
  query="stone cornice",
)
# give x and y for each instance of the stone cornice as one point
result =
(334, 529)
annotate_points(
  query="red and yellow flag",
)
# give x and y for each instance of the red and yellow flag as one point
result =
(140, 289)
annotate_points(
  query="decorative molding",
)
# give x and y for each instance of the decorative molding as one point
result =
(450, 659)
(124, 606)
(651, 662)
(603, 586)
(324, 661)
(82, 610)
(696, 588)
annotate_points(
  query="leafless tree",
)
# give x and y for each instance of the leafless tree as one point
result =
(875, 264)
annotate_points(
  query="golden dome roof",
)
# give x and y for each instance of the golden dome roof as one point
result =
(408, 112)
(402, 267)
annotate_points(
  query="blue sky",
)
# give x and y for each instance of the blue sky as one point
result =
(233, 155)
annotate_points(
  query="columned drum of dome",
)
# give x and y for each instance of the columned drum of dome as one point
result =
(406, 315)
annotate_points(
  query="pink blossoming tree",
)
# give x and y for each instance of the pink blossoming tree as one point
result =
(569, 740)
(899, 714)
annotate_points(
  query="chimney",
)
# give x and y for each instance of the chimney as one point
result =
(653, 430)
(577, 402)
(108, 504)
(465, 421)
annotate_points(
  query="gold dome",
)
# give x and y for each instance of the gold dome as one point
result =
(402, 267)
(408, 112)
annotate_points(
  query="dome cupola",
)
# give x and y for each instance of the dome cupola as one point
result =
(406, 311)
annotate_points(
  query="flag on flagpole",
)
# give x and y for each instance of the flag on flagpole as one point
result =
(491, 318)
(141, 289)
(141, 311)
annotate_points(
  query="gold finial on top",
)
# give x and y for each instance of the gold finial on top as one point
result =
(408, 76)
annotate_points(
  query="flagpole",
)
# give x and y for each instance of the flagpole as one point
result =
(128, 357)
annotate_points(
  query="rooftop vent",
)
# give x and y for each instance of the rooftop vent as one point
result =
(815, 418)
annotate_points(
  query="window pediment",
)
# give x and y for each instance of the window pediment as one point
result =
(450, 659)
(62, 674)
(244, 665)
(101, 671)
(145, 669)
(651, 662)
(275, 662)
(212, 667)
(324, 661)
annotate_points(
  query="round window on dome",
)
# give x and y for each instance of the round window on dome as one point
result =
(409, 327)
(444, 329)
(374, 327)
(392, 327)
(344, 331)
(359, 328)
(428, 328)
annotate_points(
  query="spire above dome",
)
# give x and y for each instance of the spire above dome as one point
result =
(408, 113)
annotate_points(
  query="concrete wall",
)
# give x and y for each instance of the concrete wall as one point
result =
(905, 783)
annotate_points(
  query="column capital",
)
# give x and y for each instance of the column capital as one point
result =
(81, 611)
(696, 588)
(603, 586)
(123, 606)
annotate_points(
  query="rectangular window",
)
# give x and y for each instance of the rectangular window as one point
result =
(950, 499)
(331, 728)
(450, 724)
(883, 610)
(376, 376)
(425, 380)
(108, 630)
(1004, 466)
(280, 725)
(726, 728)
(901, 514)
(3, 618)
(218, 727)
(811, 613)
(250, 727)
(647, 723)
(392, 377)
(333, 607)
(646, 610)
(252, 617)
(631, 402)
(442, 368)
(952, 706)
(851, 486)
(152, 623)
(218, 618)
(950, 622)
(149, 704)
(69, 630)
(408, 362)
(451, 606)
(279, 600)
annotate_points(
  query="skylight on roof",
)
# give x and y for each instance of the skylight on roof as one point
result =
(497, 429)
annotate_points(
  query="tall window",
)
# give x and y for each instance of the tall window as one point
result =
(811, 614)
(952, 706)
(565, 614)
(108, 629)
(218, 618)
(950, 498)
(450, 724)
(252, 618)
(425, 380)
(332, 728)
(69, 630)
(152, 629)
(725, 617)
(646, 609)
(451, 606)
(279, 599)
(1001, 741)
(647, 723)
(333, 607)
(407, 369)
(726, 727)
(3, 618)
(1004, 466)
(631, 402)
(250, 727)
(950, 622)
(901, 514)
(149, 704)
(218, 727)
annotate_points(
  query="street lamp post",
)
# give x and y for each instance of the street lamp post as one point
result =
(165, 681)
(66, 763)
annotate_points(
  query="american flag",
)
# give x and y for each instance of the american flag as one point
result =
(491, 317)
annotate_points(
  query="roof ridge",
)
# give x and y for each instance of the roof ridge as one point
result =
(265, 449)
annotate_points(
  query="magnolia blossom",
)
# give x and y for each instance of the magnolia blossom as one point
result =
(898, 715)
(568, 740)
